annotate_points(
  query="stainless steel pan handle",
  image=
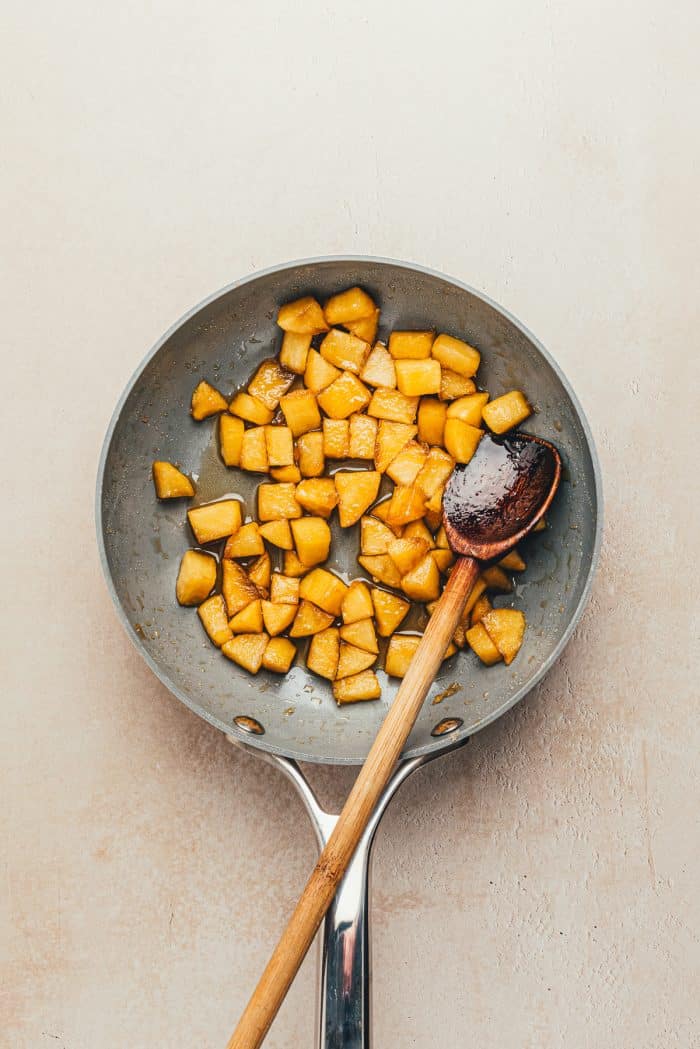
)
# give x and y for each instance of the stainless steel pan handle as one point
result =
(344, 999)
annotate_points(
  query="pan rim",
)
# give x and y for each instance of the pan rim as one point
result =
(260, 742)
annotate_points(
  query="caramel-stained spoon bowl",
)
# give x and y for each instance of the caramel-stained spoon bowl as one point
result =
(497, 498)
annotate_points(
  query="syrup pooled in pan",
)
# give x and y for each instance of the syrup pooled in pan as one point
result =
(501, 489)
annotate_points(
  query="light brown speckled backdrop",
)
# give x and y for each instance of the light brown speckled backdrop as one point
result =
(538, 889)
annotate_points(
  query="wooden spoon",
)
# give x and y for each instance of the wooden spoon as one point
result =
(488, 506)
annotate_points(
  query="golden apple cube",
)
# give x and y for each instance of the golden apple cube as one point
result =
(422, 583)
(324, 652)
(323, 589)
(250, 409)
(431, 420)
(285, 474)
(357, 603)
(353, 660)
(406, 553)
(171, 483)
(496, 579)
(336, 438)
(259, 573)
(382, 511)
(319, 373)
(404, 469)
(318, 495)
(479, 641)
(212, 613)
(379, 368)
(432, 519)
(356, 491)
(363, 436)
(443, 559)
(206, 401)
(512, 562)
(344, 396)
(381, 568)
(310, 454)
(434, 504)
(247, 650)
(351, 305)
(249, 620)
(276, 501)
(268, 384)
(236, 587)
(389, 611)
(435, 472)
(310, 620)
(254, 450)
(277, 617)
(401, 650)
(295, 351)
(280, 445)
(375, 536)
(246, 542)
(416, 378)
(312, 538)
(357, 687)
(468, 408)
(453, 385)
(215, 520)
(279, 655)
(231, 430)
(303, 316)
(407, 504)
(461, 439)
(300, 411)
(456, 355)
(284, 590)
(507, 411)
(480, 609)
(196, 577)
(393, 406)
(344, 351)
(361, 634)
(293, 566)
(411, 345)
(278, 533)
(365, 328)
(392, 437)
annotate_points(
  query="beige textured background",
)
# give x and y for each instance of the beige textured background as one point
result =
(539, 889)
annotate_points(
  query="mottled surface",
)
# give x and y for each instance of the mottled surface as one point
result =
(537, 889)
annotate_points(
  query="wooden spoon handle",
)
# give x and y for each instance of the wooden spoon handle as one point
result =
(362, 799)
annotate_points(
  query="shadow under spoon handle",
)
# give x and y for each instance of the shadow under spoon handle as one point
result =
(362, 799)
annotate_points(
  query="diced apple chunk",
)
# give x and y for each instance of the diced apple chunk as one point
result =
(381, 510)
(196, 577)
(357, 603)
(254, 450)
(381, 568)
(479, 641)
(392, 437)
(407, 504)
(507, 411)
(319, 373)
(171, 483)
(276, 501)
(344, 396)
(453, 385)
(348, 306)
(393, 406)
(260, 572)
(363, 436)
(512, 562)
(206, 401)
(406, 553)
(404, 469)
(358, 687)
(279, 655)
(231, 431)
(379, 369)
(422, 583)
(285, 474)
(249, 620)
(312, 538)
(468, 408)
(300, 411)
(461, 439)
(250, 408)
(318, 495)
(417, 378)
(418, 530)
(401, 650)
(494, 578)
(361, 634)
(375, 536)
(324, 589)
(277, 617)
(312, 461)
(293, 566)
(324, 652)
(356, 491)
(344, 351)
(278, 533)
(295, 351)
(303, 316)
(284, 590)
(389, 611)
(431, 420)
(246, 542)
(215, 520)
(336, 438)
(456, 355)
(480, 609)
(309, 620)
(443, 559)
(236, 587)
(412, 345)
(268, 384)
(435, 472)
(353, 660)
(280, 445)
(247, 650)
(365, 328)
(212, 613)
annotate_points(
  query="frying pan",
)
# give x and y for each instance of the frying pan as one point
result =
(294, 718)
